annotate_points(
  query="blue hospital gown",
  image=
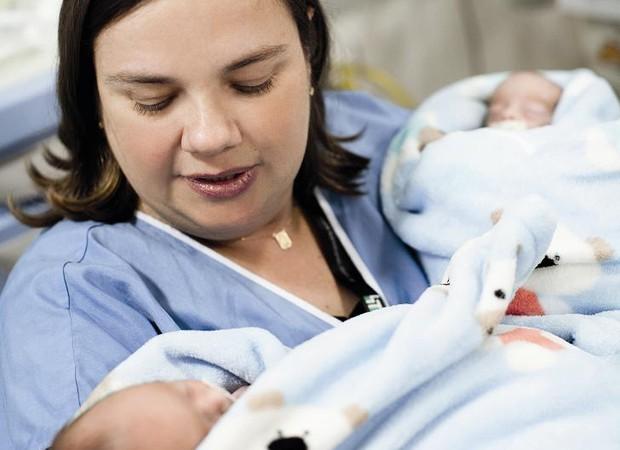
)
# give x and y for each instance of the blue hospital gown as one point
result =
(87, 294)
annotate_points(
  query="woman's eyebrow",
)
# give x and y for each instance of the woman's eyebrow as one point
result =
(138, 78)
(260, 55)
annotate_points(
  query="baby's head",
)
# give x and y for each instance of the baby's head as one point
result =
(162, 415)
(524, 100)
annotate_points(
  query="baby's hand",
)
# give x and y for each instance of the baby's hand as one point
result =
(209, 401)
(428, 135)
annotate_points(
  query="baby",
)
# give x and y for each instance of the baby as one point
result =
(171, 391)
(524, 100)
(154, 416)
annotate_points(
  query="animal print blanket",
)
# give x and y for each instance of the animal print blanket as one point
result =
(440, 373)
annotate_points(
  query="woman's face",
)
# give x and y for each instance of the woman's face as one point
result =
(205, 105)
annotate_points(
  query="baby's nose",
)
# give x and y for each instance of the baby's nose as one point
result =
(511, 112)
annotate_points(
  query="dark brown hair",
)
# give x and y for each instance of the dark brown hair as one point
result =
(91, 185)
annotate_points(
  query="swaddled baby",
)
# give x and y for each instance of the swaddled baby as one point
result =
(153, 399)
(506, 137)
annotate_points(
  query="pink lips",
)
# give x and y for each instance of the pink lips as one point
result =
(228, 184)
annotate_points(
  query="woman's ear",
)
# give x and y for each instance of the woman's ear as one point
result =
(310, 13)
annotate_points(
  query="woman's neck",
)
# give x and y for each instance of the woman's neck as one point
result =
(277, 234)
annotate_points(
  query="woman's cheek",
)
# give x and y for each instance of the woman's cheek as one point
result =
(144, 147)
(291, 119)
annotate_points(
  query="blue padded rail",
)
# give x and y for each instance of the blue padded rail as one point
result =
(28, 113)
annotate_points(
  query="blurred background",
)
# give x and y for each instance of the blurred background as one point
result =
(413, 47)
(400, 49)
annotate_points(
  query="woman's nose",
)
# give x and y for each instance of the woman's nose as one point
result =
(210, 130)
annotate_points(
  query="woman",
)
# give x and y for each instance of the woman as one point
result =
(204, 189)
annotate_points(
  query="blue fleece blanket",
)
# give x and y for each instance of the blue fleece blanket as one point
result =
(439, 374)
(455, 188)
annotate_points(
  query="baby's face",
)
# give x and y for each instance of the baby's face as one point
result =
(155, 416)
(526, 98)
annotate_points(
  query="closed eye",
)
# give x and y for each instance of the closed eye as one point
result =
(255, 89)
(245, 89)
(148, 108)
(537, 110)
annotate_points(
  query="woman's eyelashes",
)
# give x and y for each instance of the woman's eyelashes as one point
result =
(243, 89)
(255, 89)
(148, 108)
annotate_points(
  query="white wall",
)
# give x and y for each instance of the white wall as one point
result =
(426, 44)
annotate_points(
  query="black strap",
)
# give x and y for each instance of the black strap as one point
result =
(340, 264)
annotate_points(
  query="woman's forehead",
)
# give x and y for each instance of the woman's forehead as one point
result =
(193, 32)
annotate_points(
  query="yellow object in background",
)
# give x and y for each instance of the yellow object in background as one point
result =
(355, 76)
(610, 52)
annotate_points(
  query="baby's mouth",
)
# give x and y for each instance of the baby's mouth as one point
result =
(509, 125)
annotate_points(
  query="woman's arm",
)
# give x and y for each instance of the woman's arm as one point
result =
(63, 326)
